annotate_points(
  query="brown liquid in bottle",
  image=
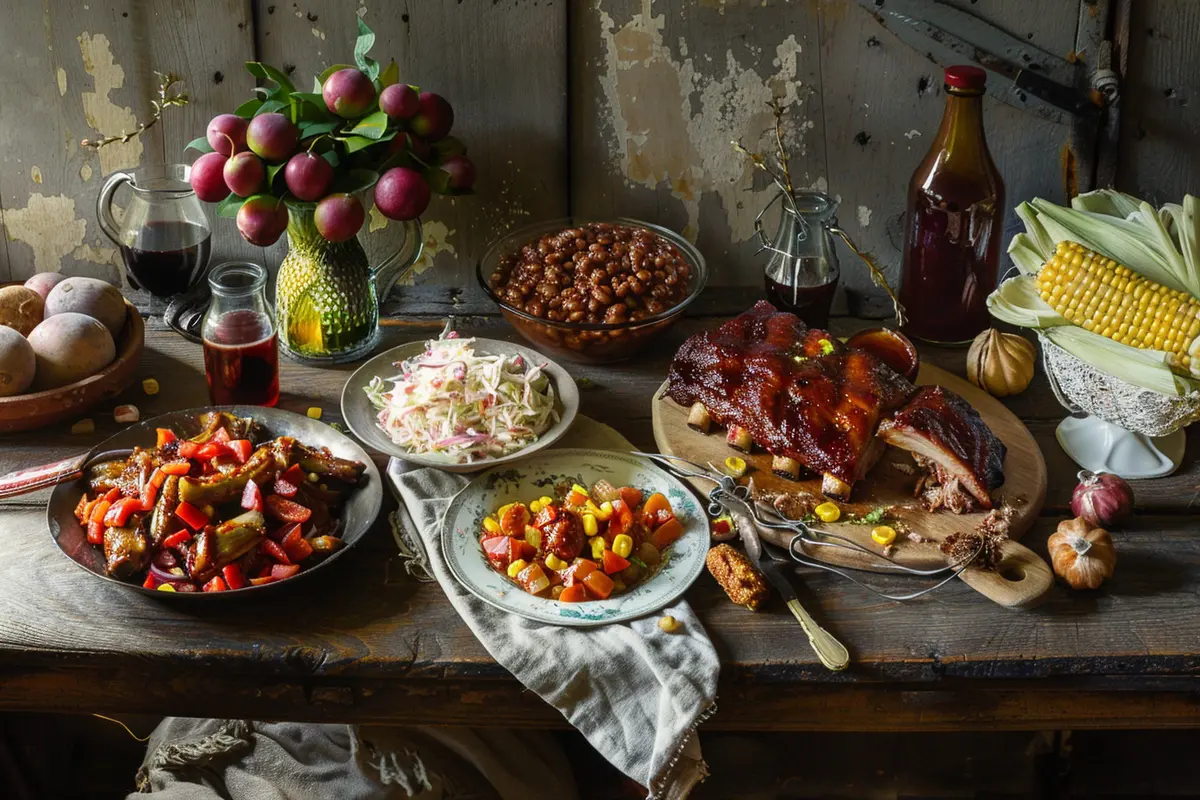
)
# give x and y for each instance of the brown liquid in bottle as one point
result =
(955, 222)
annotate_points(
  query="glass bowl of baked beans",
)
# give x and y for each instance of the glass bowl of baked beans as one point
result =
(592, 291)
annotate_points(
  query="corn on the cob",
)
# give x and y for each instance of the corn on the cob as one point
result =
(739, 578)
(1102, 296)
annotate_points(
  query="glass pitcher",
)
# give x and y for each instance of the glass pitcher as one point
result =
(163, 235)
(802, 273)
(327, 294)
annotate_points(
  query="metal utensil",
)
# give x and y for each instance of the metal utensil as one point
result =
(727, 496)
(775, 566)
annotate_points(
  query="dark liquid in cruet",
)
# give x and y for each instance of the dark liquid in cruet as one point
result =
(241, 360)
(165, 255)
(809, 303)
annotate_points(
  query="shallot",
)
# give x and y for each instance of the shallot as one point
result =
(1102, 498)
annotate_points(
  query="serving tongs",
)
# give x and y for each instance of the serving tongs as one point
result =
(730, 497)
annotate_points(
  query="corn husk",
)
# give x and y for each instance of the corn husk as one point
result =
(1160, 244)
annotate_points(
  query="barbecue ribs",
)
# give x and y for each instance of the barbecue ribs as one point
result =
(800, 394)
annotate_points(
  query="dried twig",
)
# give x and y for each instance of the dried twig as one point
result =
(166, 98)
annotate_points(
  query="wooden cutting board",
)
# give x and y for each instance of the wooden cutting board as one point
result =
(1022, 578)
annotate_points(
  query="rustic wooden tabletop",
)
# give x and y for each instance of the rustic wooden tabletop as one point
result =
(366, 643)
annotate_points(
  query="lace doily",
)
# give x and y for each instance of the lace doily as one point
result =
(1082, 387)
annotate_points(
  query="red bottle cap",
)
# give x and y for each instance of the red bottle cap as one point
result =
(965, 76)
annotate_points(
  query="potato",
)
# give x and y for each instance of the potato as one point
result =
(70, 347)
(43, 282)
(90, 296)
(17, 363)
(20, 308)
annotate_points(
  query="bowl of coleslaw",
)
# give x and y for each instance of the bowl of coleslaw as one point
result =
(460, 404)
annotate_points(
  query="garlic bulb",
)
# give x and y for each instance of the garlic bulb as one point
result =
(1000, 363)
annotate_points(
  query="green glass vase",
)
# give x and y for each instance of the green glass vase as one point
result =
(327, 294)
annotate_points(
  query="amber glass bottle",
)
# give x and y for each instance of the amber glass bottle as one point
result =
(955, 222)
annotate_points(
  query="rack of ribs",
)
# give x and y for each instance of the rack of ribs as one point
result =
(798, 393)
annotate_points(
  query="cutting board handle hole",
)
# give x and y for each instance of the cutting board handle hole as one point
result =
(1013, 574)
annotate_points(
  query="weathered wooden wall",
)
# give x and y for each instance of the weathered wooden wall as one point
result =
(589, 107)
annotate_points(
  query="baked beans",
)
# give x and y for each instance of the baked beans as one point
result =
(597, 273)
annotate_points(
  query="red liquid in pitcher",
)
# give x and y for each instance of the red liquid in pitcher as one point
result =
(166, 255)
(241, 360)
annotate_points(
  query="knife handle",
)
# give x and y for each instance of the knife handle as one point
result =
(833, 654)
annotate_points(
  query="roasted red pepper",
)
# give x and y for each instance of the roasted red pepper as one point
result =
(150, 491)
(241, 449)
(234, 578)
(151, 582)
(212, 450)
(95, 532)
(217, 584)
(296, 546)
(193, 517)
(274, 550)
(252, 499)
(166, 436)
(285, 510)
(176, 468)
(188, 449)
(290, 481)
(120, 512)
(176, 539)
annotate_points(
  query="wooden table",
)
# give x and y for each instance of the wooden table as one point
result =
(366, 643)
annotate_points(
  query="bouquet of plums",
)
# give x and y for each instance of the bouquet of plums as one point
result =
(359, 127)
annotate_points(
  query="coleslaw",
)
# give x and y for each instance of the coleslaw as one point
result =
(455, 402)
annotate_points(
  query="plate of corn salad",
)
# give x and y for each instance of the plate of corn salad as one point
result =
(576, 537)
(1113, 281)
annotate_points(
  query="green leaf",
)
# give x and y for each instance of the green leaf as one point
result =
(332, 157)
(308, 129)
(267, 72)
(355, 180)
(200, 144)
(316, 85)
(310, 97)
(372, 126)
(356, 143)
(439, 180)
(275, 171)
(332, 68)
(390, 75)
(450, 146)
(246, 110)
(270, 106)
(230, 206)
(362, 45)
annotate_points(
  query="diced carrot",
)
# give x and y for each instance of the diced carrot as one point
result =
(578, 571)
(598, 584)
(176, 468)
(656, 502)
(613, 562)
(631, 497)
(573, 594)
(166, 436)
(667, 533)
(621, 520)
(99, 511)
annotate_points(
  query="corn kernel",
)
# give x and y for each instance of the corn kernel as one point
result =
(535, 506)
(514, 569)
(828, 512)
(84, 427)
(556, 592)
(491, 525)
(555, 563)
(884, 534)
(668, 624)
(735, 466)
(590, 527)
(622, 545)
(545, 500)
(150, 386)
(606, 511)
(598, 547)
(533, 536)
(575, 487)
(314, 413)
(165, 587)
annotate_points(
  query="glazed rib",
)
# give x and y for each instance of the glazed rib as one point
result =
(800, 393)
(946, 435)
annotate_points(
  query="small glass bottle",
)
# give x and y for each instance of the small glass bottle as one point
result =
(802, 273)
(241, 351)
(955, 222)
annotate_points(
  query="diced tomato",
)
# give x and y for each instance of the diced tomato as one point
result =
(165, 436)
(211, 450)
(578, 571)
(285, 510)
(613, 562)
(576, 499)
(95, 532)
(667, 533)
(289, 482)
(234, 578)
(176, 468)
(296, 546)
(497, 549)
(193, 517)
(598, 584)
(514, 519)
(188, 449)
(252, 499)
(660, 516)
(241, 449)
(149, 494)
(533, 579)
(274, 550)
(259, 581)
(655, 503)
(621, 520)
(176, 539)
(217, 584)
(151, 582)
(221, 435)
(99, 511)
(631, 497)
(119, 513)
(573, 594)
(282, 571)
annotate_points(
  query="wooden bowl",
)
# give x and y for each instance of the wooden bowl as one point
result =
(26, 412)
